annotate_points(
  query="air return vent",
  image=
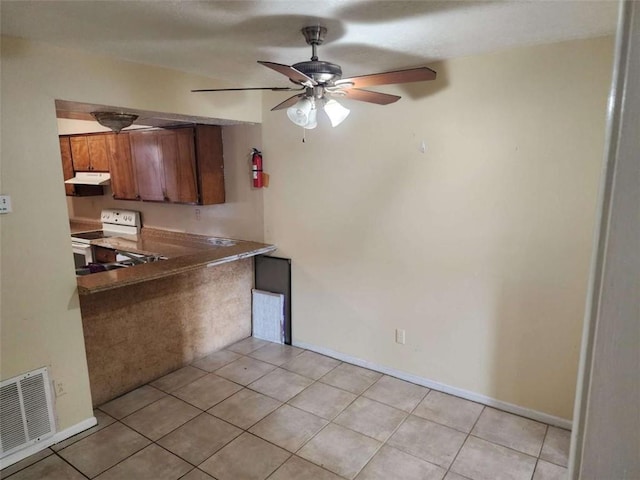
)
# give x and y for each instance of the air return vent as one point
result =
(26, 411)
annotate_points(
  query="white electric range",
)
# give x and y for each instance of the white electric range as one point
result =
(115, 223)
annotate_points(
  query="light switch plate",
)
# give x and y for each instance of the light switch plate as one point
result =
(5, 204)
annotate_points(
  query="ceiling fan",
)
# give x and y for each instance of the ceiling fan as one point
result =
(320, 81)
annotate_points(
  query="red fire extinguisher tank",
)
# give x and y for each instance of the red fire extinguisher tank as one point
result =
(256, 168)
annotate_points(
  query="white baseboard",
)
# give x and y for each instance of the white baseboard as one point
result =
(55, 438)
(441, 387)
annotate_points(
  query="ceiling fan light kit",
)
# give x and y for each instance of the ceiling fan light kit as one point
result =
(336, 112)
(305, 112)
(322, 80)
(302, 112)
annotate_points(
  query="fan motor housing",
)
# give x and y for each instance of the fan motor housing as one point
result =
(321, 72)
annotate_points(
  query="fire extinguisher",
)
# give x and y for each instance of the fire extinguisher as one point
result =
(256, 168)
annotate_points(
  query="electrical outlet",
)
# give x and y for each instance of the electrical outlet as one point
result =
(197, 214)
(59, 389)
(400, 336)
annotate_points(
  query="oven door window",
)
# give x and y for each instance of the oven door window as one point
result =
(82, 254)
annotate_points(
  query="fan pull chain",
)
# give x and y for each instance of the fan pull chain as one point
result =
(304, 135)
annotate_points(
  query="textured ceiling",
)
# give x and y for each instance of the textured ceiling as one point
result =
(223, 39)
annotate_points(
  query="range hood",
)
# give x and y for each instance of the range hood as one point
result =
(90, 178)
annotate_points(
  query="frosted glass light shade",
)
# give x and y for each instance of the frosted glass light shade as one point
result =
(300, 112)
(336, 112)
(312, 121)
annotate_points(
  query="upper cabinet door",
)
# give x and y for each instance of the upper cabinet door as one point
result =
(98, 152)
(123, 176)
(179, 162)
(147, 161)
(210, 164)
(80, 154)
(89, 153)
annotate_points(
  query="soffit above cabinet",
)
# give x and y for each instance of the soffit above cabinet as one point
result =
(146, 118)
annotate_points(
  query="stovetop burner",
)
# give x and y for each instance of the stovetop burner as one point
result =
(93, 235)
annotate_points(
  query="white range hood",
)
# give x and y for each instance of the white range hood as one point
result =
(90, 178)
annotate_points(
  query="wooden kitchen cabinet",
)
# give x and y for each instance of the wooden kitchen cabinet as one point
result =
(210, 164)
(124, 185)
(90, 152)
(176, 165)
(180, 165)
(69, 172)
(67, 164)
(147, 162)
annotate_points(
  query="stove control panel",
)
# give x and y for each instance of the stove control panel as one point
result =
(128, 218)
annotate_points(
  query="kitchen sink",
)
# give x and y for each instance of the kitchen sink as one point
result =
(138, 258)
(102, 267)
(132, 259)
(222, 242)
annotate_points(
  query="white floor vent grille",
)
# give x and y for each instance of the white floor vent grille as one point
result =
(26, 411)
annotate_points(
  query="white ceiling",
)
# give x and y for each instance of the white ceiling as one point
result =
(223, 39)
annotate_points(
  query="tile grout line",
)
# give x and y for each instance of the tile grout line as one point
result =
(153, 442)
(398, 427)
(326, 373)
(465, 440)
(183, 424)
(382, 444)
(429, 390)
(535, 467)
(69, 463)
(258, 421)
(27, 466)
(329, 422)
(120, 461)
(304, 460)
(503, 446)
(293, 406)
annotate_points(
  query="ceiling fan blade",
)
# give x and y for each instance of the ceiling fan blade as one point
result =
(289, 102)
(371, 97)
(288, 71)
(419, 74)
(273, 89)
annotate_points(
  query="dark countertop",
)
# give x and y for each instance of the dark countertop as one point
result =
(184, 252)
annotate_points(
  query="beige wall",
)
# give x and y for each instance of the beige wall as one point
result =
(40, 317)
(478, 248)
(241, 216)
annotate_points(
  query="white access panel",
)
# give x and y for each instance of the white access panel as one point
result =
(268, 315)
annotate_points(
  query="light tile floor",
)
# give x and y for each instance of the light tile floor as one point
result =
(259, 410)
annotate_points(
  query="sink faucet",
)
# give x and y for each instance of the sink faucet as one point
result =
(135, 258)
(140, 258)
